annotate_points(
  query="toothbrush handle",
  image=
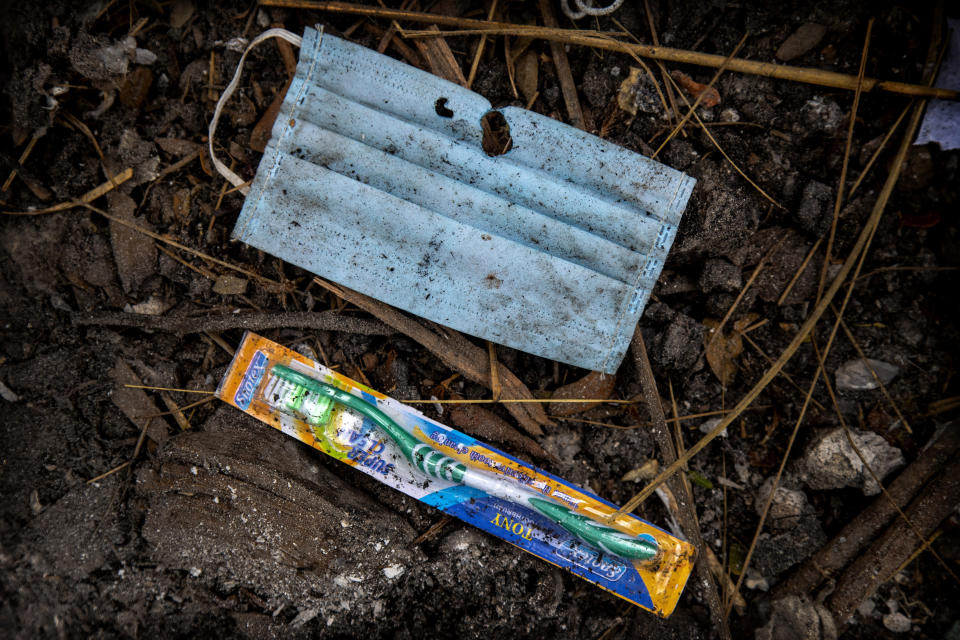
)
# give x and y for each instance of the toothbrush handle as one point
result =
(436, 464)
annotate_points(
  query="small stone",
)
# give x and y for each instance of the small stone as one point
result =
(35, 505)
(719, 274)
(867, 607)
(799, 618)
(144, 56)
(816, 208)
(801, 41)
(679, 346)
(856, 375)
(819, 115)
(832, 463)
(896, 622)
(787, 508)
(7, 393)
(230, 285)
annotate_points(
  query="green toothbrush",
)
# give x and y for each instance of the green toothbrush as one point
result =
(314, 400)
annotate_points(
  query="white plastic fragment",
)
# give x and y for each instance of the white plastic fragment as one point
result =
(392, 571)
(856, 375)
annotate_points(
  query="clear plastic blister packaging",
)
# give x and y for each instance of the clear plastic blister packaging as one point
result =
(506, 497)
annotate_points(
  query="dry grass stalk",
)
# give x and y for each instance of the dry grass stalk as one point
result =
(846, 160)
(84, 200)
(564, 75)
(469, 26)
(696, 103)
(480, 45)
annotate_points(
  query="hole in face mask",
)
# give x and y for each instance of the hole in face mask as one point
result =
(496, 134)
(441, 108)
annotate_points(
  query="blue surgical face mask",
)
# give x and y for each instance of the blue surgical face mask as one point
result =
(377, 178)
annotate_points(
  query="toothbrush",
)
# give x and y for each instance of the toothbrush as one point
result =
(314, 400)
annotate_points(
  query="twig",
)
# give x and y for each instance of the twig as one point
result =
(681, 491)
(412, 57)
(706, 132)
(913, 556)
(772, 494)
(692, 416)
(432, 531)
(84, 200)
(151, 388)
(176, 411)
(440, 58)
(183, 408)
(926, 512)
(876, 153)
(480, 46)
(119, 467)
(218, 340)
(786, 376)
(854, 537)
(79, 124)
(564, 75)
(495, 387)
(767, 69)
(39, 133)
(323, 321)
(866, 237)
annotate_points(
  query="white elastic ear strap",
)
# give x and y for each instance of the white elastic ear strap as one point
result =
(223, 169)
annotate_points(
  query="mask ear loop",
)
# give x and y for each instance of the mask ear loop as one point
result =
(225, 171)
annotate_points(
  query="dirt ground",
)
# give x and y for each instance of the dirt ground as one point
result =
(202, 535)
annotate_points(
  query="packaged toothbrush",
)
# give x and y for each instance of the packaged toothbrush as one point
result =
(487, 488)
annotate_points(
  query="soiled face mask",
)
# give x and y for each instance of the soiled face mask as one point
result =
(506, 225)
